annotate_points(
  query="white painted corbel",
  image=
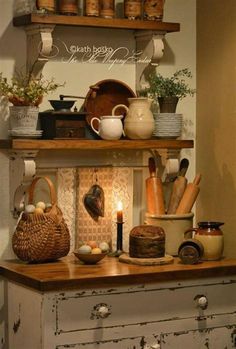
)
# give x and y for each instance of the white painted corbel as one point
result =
(167, 162)
(150, 50)
(39, 47)
(22, 171)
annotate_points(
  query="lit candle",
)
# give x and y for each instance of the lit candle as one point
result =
(119, 213)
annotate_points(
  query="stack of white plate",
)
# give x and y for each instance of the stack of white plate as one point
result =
(168, 125)
(25, 133)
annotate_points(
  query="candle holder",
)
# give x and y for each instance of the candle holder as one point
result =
(119, 240)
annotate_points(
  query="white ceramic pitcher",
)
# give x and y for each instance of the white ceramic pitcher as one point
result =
(110, 127)
(139, 121)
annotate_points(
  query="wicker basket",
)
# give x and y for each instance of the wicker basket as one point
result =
(41, 237)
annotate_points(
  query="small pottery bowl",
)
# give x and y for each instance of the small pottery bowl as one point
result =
(90, 258)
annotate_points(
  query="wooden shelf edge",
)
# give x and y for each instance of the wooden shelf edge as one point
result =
(78, 144)
(115, 23)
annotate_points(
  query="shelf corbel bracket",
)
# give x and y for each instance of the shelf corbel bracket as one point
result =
(39, 47)
(167, 162)
(22, 171)
(149, 50)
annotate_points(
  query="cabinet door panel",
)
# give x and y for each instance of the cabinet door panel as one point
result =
(125, 343)
(76, 313)
(213, 338)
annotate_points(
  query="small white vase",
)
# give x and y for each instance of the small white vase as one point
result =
(23, 118)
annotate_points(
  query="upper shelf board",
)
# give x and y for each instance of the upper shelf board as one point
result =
(79, 144)
(115, 23)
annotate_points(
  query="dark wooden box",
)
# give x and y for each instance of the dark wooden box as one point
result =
(63, 125)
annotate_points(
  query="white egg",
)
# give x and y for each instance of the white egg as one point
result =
(29, 208)
(104, 246)
(21, 206)
(41, 205)
(48, 204)
(84, 249)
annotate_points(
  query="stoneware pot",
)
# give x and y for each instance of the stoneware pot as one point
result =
(46, 5)
(23, 117)
(68, 7)
(153, 10)
(211, 237)
(167, 104)
(174, 227)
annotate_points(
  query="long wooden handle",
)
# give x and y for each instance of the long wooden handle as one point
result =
(152, 167)
(177, 193)
(155, 196)
(189, 197)
(197, 179)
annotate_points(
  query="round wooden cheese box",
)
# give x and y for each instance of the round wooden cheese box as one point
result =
(147, 241)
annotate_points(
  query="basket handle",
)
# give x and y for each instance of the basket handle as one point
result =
(53, 195)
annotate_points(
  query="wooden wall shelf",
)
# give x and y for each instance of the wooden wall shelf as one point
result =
(30, 144)
(115, 23)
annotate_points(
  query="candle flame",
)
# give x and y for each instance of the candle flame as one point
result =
(119, 206)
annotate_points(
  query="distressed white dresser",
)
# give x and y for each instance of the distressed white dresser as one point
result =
(113, 305)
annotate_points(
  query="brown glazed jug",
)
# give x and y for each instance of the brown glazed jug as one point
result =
(211, 237)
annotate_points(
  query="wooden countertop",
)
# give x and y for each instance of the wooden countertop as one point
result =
(68, 273)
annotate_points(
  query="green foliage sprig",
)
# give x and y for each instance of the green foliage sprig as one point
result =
(175, 85)
(22, 90)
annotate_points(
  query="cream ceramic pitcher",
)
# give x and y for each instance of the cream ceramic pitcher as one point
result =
(139, 121)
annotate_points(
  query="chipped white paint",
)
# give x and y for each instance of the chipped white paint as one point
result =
(24, 318)
(164, 316)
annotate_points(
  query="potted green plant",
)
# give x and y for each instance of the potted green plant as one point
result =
(169, 90)
(25, 93)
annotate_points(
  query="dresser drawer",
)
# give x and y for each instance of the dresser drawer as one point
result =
(109, 308)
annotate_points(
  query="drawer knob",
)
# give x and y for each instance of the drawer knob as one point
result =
(101, 311)
(202, 302)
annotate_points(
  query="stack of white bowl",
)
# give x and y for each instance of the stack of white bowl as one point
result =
(26, 133)
(168, 125)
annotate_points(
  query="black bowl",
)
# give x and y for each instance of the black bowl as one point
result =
(61, 105)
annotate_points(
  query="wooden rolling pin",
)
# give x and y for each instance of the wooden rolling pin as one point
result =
(178, 188)
(189, 197)
(154, 191)
(177, 193)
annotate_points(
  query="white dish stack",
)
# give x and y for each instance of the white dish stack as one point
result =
(17, 133)
(168, 125)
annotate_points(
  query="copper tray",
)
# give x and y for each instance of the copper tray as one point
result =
(108, 93)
